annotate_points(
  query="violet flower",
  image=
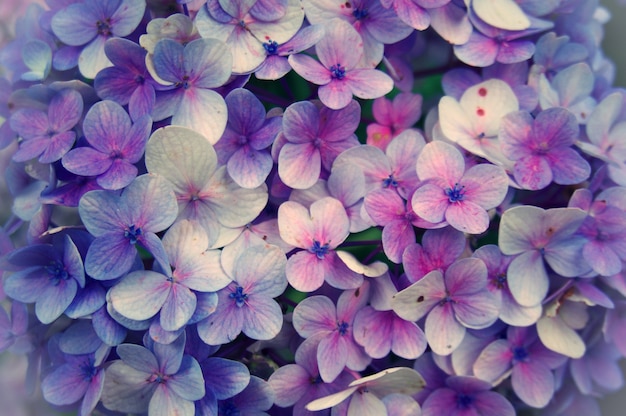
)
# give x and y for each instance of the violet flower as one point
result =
(451, 303)
(339, 74)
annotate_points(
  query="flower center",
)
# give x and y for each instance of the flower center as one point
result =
(57, 272)
(342, 327)
(319, 250)
(390, 181)
(104, 27)
(520, 354)
(455, 194)
(337, 71)
(238, 296)
(360, 14)
(271, 47)
(464, 401)
(228, 408)
(88, 370)
(133, 233)
(158, 378)
(316, 380)
(499, 281)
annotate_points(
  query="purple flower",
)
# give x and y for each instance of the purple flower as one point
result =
(142, 294)
(332, 326)
(116, 145)
(542, 148)
(528, 361)
(247, 26)
(128, 82)
(276, 64)
(48, 136)
(119, 222)
(536, 235)
(79, 377)
(604, 228)
(394, 169)
(439, 249)
(300, 383)
(450, 192)
(193, 70)
(244, 146)
(160, 380)
(382, 332)
(338, 73)
(318, 231)
(466, 395)
(314, 138)
(451, 303)
(91, 23)
(497, 264)
(48, 275)
(246, 304)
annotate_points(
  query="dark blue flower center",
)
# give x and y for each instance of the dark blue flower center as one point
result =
(455, 194)
(390, 181)
(447, 299)
(228, 408)
(57, 272)
(342, 327)
(520, 354)
(133, 233)
(337, 71)
(238, 296)
(104, 27)
(316, 380)
(185, 82)
(464, 401)
(271, 47)
(500, 281)
(158, 378)
(140, 79)
(319, 250)
(88, 370)
(360, 14)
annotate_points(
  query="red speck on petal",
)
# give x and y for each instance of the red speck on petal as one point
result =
(480, 112)
(267, 37)
(482, 92)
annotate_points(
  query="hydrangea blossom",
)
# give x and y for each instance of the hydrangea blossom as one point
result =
(119, 222)
(449, 192)
(91, 23)
(338, 72)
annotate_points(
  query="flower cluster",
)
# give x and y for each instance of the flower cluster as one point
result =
(313, 207)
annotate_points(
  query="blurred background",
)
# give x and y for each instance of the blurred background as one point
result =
(615, 48)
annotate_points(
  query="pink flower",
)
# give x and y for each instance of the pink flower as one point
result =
(318, 231)
(449, 192)
(339, 53)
